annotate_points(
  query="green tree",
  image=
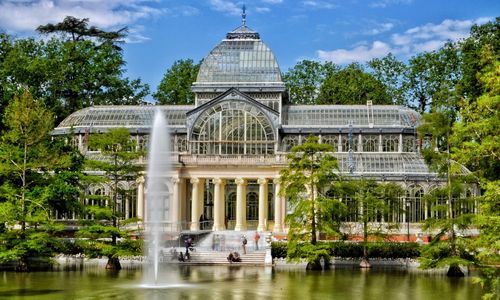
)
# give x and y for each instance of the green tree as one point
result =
(393, 74)
(449, 205)
(372, 201)
(352, 85)
(481, 36)
(305, 182)
(476, 144)
(26, 156)
(304, 80)
(79, 30)
(432, 77)
(118, 164)
(68, 73)
(175, 87)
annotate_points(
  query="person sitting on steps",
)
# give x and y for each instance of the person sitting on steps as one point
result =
(234, 257)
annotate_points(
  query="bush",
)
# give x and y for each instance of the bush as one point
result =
(278, 249)
(355, 250)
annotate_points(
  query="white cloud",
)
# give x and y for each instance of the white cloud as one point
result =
(225, 7)
(272, 1)
(20, 16)
(135, 35)
(385, 3)
(314, 4)
(357, 54)
(428, 37)
(188, 11)
(262, 9)
(380, 28)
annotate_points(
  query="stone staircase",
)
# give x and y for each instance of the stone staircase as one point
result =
(207, 257)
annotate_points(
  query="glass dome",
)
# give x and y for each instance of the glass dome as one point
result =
(240, 58)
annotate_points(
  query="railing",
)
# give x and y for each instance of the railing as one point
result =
(265, 160)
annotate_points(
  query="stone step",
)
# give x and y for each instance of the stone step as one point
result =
(216, 257)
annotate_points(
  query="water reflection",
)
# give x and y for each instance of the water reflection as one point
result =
(236, 282)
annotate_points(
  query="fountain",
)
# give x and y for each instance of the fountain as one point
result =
(157, 198)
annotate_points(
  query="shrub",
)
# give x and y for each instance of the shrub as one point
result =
(278, 249)
(353, 250)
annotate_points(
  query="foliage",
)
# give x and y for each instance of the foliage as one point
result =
(305, 182)
(175, 87)
(67, 74)
(393, 74)
(450, 207)
(481, 36)
(304, 80)
(344, 249)
(27, 155)
(352, 85)
(475, 138)
(432, 77)
(78, 30)
(310, 173)
(375, 200)
(118, 165)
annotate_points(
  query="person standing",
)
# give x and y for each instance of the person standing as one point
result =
(256, 238)
(244, 244)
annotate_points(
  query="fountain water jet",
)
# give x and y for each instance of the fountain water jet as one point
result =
(158, 201)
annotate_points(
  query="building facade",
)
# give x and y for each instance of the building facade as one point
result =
(227, 150)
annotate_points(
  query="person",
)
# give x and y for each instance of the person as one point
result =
(188, 243)
(244, 244)
(256, 238)
(233, 257)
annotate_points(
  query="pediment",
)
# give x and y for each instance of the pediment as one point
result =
(232, 95)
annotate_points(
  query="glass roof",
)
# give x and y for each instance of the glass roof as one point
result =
(131, 116)
(240, 58)
(343, 115)
(377, 164)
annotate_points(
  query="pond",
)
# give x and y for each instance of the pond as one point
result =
(237, 282)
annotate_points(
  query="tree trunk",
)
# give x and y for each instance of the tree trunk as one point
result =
(113, 264)
(365, 263)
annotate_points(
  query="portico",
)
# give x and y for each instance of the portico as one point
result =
(223, 203)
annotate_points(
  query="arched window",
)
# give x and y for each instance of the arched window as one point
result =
(232, 127)
(408, 144)
(289, 142)
(231, 206)
(370, 143)
(252, 206)
(353, 143)
(332, 140)
(390, 143)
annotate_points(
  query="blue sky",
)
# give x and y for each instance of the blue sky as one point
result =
(342, 31)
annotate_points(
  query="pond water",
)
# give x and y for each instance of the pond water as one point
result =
(237, 282)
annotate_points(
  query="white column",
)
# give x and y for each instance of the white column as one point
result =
(196, 206)
(241, 205)
(278, 217)
(183, 202)
(140, 198)
(174, 204)
(80, 142)
(218, 204)
(127, 210)
(262, 204)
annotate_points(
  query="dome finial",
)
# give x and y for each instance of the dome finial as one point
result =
(244, 16)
